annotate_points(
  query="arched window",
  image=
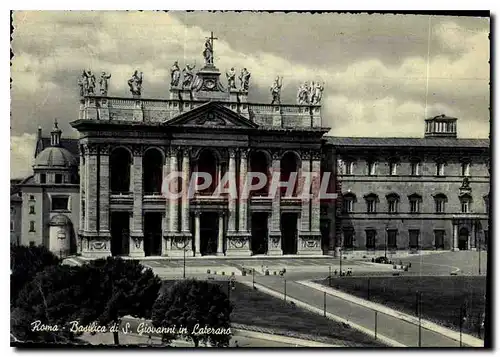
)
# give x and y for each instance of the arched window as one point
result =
(120, 162)
(348, 201)
(289, 168)
(440, 168)
(371, 165)
(392, 202)
(152, 174)
(259, 163)
(371, 203)
(207, 163)
(440, 202)
(415, 201)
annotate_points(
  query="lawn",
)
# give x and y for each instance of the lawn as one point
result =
(254, 308)
(441, 296)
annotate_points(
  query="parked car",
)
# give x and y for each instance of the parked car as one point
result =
(382, 260)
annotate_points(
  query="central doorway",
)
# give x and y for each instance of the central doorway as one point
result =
(152, 233)
(120, 233)
(209, 229)
(289, 233)
(463, 239)
(259, 233)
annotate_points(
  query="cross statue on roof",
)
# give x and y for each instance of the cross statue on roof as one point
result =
(208, 52)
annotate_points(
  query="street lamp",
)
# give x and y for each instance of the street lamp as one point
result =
(186, 242)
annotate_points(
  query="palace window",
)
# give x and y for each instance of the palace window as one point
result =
(414, 238)
(12, 226)
(32, 209)
(440, 202)
(440, 169)
(348, 238)
(371, 237)
(372, 168)
(392, 203)
(60, 203)
(415, 201)
(392, 235)
(439, 238)
(465, 201)
(32, 226)
(487, 204)
(348, 167)
(465, 169)
(371, 203)
(348, 202)
(43, 178)
(58, 178)
(415, 168)
(393, 168)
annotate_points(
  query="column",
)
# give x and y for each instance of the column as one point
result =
(306, 190)
(274, 243)
(81, 224)
(173, 202)
(104, 191)
(220, 237)
(455, 237)
(231, 199)
(166, 246)
(185, 186)
(197, 233)
(472, 238)
(243, 201)
(91, 200)
(137, 235)
(315, 187)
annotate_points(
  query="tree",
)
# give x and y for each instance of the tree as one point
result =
(25, 263)
(191, 306)
(51, 300)
(125, 288)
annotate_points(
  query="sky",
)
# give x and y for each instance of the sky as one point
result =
(383, 73)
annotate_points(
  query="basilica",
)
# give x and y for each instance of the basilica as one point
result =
(104, 193)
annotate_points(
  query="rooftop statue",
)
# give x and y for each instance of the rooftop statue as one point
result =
(87, 83)
(104, 83)
(276, 90)
(188, 76)
(135, 83)
(244, 79)
(318, 93)
(91, 82)
(231, 79)
(208, 52)
(175, 75)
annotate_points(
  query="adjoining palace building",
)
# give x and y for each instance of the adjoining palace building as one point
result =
(103, 194)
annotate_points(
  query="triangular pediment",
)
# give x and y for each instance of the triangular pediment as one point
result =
(211, 114)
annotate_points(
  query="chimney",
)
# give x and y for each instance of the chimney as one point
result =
(39, 133)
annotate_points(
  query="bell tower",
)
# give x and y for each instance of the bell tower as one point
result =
(441, 126)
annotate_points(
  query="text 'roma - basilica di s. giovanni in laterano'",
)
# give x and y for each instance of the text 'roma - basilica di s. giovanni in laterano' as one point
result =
(205, 172)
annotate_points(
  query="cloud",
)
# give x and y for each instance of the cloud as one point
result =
(22, 148)
(365, 95)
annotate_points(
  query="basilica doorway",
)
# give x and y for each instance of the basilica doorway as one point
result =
(289, 233)
(259, 233)
(209, 229)
(463, 238)
(152, 233)
(120, 233)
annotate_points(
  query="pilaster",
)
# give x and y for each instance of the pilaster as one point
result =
(232, 200)
(166, 246)
(137, 234)
(185, 187)
(104, 191)
(274, 244)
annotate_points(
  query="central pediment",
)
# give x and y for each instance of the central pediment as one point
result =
(211, 114)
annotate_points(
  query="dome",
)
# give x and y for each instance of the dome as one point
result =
(59, 220)
(55, 156)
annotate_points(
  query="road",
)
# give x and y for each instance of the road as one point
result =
(398, 330)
